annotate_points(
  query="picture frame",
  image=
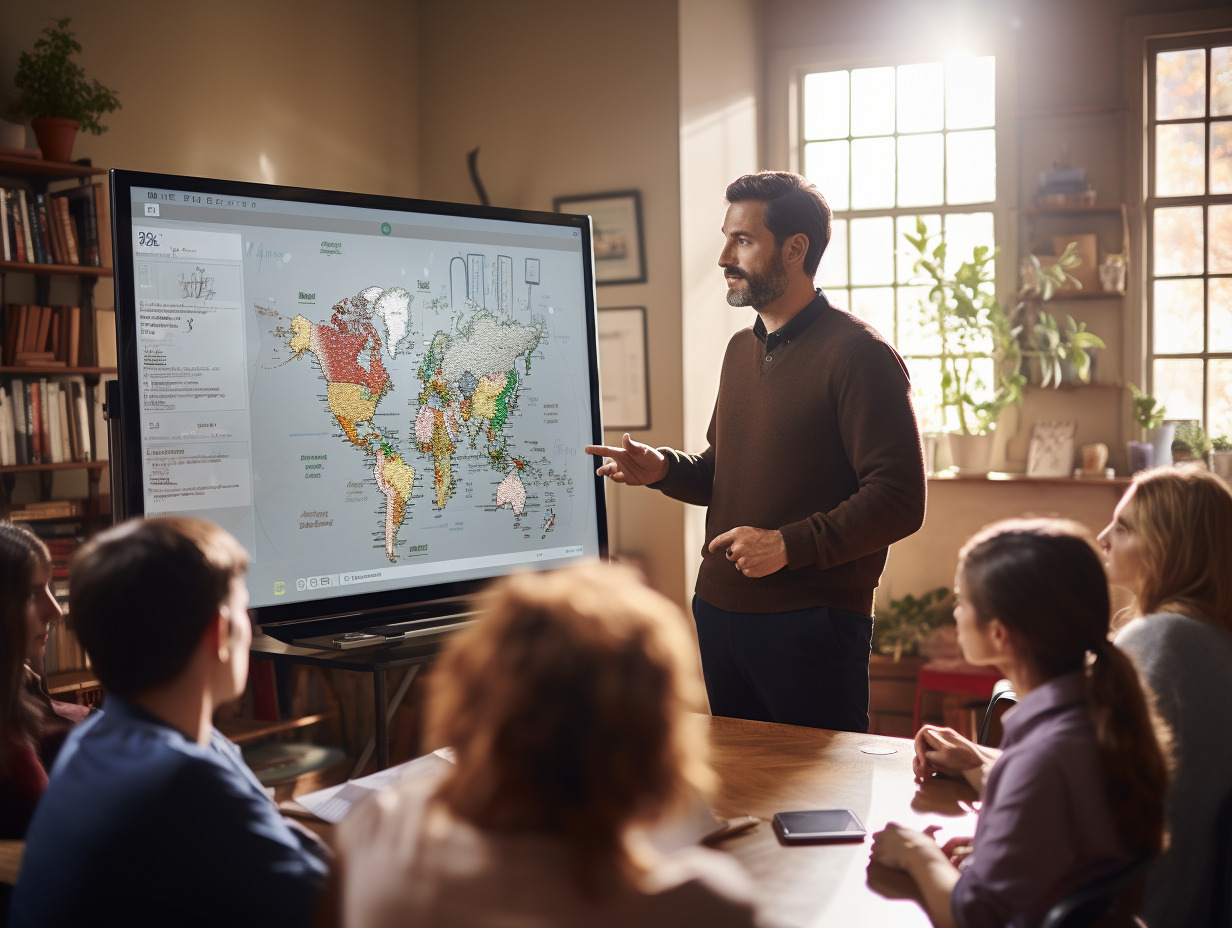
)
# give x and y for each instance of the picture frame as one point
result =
(620, 256)
(624, 371)
(1051, 451)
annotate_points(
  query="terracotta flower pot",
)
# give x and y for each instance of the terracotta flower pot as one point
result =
(55, 137)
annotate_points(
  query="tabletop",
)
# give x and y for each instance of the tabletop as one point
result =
(765, 768)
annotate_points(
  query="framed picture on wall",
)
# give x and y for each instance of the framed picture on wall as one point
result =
(624, 375)
(617, 222)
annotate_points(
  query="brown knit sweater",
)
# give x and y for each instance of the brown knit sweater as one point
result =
(813, 434)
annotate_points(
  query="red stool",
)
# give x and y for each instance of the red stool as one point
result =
(953, 677)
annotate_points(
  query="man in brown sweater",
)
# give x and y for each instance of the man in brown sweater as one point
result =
(813, 469)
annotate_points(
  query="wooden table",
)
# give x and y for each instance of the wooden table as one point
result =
(765, 768)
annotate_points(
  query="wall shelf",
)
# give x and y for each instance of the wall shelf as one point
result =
(1002, 477)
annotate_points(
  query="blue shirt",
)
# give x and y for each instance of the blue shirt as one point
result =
(1045, 828)
(142, 826)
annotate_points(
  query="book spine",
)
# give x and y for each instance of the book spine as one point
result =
(29, 233)
(36, 423)
(20, 431)
(90, 221)
(74, 335)
(7, 449)
(68, 445)
(19, 226)
(102, 207)
(82, 412)
(5, 242)
(40, 209)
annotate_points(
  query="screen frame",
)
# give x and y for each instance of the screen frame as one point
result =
(357, 609)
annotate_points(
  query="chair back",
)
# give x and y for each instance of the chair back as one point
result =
(1111, 900)
(1221, 910)
(1002, 698)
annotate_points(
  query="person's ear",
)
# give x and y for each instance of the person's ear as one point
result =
(795, 247)
(218, 636)
(999, 634)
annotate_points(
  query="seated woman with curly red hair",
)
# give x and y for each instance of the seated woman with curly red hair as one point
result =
(566, 704)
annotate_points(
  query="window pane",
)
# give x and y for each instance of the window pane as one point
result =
(825, 164)
(872, 251)
(1221, 82)
(1180, 165)
(1178, 386)
(833, 269)
(971, 167)
(1219, 396)
(872, 101)
(964, 231)
(1180, 84)
(825, 105)
(839, 297)
(1221, 157)
(1178, 316)
(920, 96)
(876, 307)
(905, 254)
(872, 173)
(926, 393)
(916, 332)
(1219, 313)
(1220, 257)
(921, 160)
(970, 93)
(1178, 241)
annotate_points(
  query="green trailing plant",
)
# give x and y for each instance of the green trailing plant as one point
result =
(979, 353)
(1147, 411)
(1191, 437)
(51, 84)
(1221, 443)
(1052, 347)
(899, 630)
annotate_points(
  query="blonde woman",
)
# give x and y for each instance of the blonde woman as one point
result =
(567, 706)
(1170, 545)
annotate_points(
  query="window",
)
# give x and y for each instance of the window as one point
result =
(886, 145)
(1189, 229)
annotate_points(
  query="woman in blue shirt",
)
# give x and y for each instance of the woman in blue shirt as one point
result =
(1077, 792)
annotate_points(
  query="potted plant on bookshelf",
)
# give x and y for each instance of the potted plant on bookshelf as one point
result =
(1190, 442)
(1054, 353)
(900, 630)
(1150, 418)
(979, 354)
(52, 89)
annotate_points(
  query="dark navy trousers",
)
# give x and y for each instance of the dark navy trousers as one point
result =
(805, 667)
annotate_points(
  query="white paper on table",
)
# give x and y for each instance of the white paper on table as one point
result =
(333, 803)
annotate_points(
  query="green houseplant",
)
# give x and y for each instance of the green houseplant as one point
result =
(1149, 415)
(1190, 442)
(979, 353)
(899, 631)
(52, 89)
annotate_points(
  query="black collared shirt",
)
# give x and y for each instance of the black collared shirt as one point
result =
(797, 324)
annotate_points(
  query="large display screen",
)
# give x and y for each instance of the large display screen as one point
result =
(383, 399)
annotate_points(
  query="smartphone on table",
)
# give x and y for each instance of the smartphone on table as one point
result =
(819, 826)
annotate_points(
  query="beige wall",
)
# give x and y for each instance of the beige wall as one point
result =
(573, 98)
(310, 93)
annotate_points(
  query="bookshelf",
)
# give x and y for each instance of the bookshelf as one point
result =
(50, 349)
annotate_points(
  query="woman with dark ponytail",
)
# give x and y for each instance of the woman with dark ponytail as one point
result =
(1170, 545)
(1077, 790)
(32, 725)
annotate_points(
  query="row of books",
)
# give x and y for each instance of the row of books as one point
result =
(64, 652)
(58, 336)
(70, 226)
(51, 420)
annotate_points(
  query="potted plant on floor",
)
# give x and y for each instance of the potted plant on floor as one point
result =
(1150, 418)
(900, 630)
(52, 89)
(979, 353)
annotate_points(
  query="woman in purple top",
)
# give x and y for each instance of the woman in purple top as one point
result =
(1077, 791)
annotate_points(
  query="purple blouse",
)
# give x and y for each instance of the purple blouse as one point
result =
(1045, 828)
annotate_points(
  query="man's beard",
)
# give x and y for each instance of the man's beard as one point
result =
(761, 289)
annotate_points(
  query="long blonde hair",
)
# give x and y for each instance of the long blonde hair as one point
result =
(1182, 517)
(567, 704)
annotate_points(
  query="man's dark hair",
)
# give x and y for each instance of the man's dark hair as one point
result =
(793, 204)
(142, 594)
